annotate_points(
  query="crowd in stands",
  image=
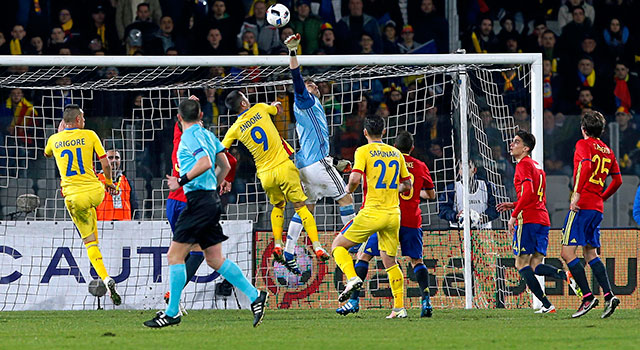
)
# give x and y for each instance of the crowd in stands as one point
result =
(590, 51)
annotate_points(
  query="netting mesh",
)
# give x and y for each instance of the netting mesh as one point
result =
(134, 111)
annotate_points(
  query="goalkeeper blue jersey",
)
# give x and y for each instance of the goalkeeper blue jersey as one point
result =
(311, 124)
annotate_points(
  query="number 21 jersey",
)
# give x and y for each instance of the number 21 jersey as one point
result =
(603, 163)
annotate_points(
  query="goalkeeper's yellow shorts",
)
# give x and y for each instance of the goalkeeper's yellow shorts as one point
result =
(282, 184)
(82, 209)
(369, 221)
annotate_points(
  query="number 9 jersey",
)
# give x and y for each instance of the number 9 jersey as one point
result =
(384, 168)
(73, 150)
(593, 161)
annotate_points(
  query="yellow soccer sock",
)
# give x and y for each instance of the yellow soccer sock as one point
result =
(309, 224)
(277, 222)
(344, 261)
(396, 280)
(93, 252)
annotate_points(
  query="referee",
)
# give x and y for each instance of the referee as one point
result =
(199, 222)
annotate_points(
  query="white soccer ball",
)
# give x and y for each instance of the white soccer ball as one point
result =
(278, 15)
(474, 217)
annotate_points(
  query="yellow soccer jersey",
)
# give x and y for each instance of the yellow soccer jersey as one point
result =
(384, 168)
(255, 129)
(73, 150)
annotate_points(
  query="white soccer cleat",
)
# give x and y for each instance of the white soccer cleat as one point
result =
(544, 310)
(354, 283)
(398, 313)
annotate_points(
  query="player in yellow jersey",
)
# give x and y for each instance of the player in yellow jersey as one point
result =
(385, 174)
(277, 173)
(73, 148)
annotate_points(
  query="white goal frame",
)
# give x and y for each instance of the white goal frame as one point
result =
(535, 88)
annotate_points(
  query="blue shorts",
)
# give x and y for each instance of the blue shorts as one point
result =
(174, 208)
(530, 238)
(582, 228)
(410, 243)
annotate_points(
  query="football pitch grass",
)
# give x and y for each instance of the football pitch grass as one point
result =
(320, 329)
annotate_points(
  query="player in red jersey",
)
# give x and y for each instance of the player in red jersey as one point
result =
(410, 231)
(593, 161)
(529, 220)
(177, 200)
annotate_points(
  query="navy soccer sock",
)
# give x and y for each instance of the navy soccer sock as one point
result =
(422, 275)
(192, 262)
(551, 271)
(534, 285)
(362, 268)
(577, 270)
(601, 275)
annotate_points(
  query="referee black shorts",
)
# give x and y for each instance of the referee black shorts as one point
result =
(199, 222)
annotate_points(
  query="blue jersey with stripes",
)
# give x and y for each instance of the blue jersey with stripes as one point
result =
(311, 124)
(196, 142)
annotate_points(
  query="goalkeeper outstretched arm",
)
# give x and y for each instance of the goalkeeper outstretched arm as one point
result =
(302, 96)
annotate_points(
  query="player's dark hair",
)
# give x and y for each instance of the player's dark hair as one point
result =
(70, 113)
(189, 110)
(233, 101)
(593, 123)
(404, 141)
(527, 139)
(143, 4)
(374, 124)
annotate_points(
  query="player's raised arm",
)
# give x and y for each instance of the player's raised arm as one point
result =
(301, 95)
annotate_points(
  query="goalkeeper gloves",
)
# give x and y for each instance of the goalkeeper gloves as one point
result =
(292, 43)
(343, 166)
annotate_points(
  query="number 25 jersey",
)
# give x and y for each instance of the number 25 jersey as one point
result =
(591, 185)
(73, 150)
(383, 167)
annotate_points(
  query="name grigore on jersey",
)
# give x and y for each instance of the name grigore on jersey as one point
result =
(246, 125)
(69, 143)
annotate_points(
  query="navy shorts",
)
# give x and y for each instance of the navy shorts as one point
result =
(410, 243)
(174, 208)
(582, 228)
(530, 238)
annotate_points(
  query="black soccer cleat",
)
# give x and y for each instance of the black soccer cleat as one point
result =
(291, 264)
(610, 306)
(258, 307)
(111, 286)
(585, 306)
(162, 320)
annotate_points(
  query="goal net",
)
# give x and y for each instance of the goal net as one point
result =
(133, 109)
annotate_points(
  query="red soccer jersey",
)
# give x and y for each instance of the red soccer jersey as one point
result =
(410, 201)
(175, 169)
(592, 162)
(530, 182)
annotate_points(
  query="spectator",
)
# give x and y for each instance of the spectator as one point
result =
(327, 39)
(215, 45)
(127, 13)
(565, 14)
(393, 98)
(429, 25)
(227, 25)
(626, 91)
(249, 43)
(71, 29)
(554, 147)
(211, 109)
(533, 42)
(389, 38)
(105, 31)
(350, 136)
(483, 40)
(406, 45)
(24, 118)
(64, 50)
(511, 44)
(4, 47)
(19, 44)
(521, 118)
(144, 23)
(586, 77)
(95, 44)
(57, 36)
(134, 42)
(585, 101)
(589, 47)
(121, 206)
(550, 86)
(575, 31)
(308, 26)
(383, 11)
(508, 29)
(37, 44)
(481, 200)
(616, 39)
(629, 152)
(494, 136)
(167, 38)
(549, 50)
(267, 37)
(350, 28)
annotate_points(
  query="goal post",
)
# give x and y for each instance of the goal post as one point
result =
(352, 77)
